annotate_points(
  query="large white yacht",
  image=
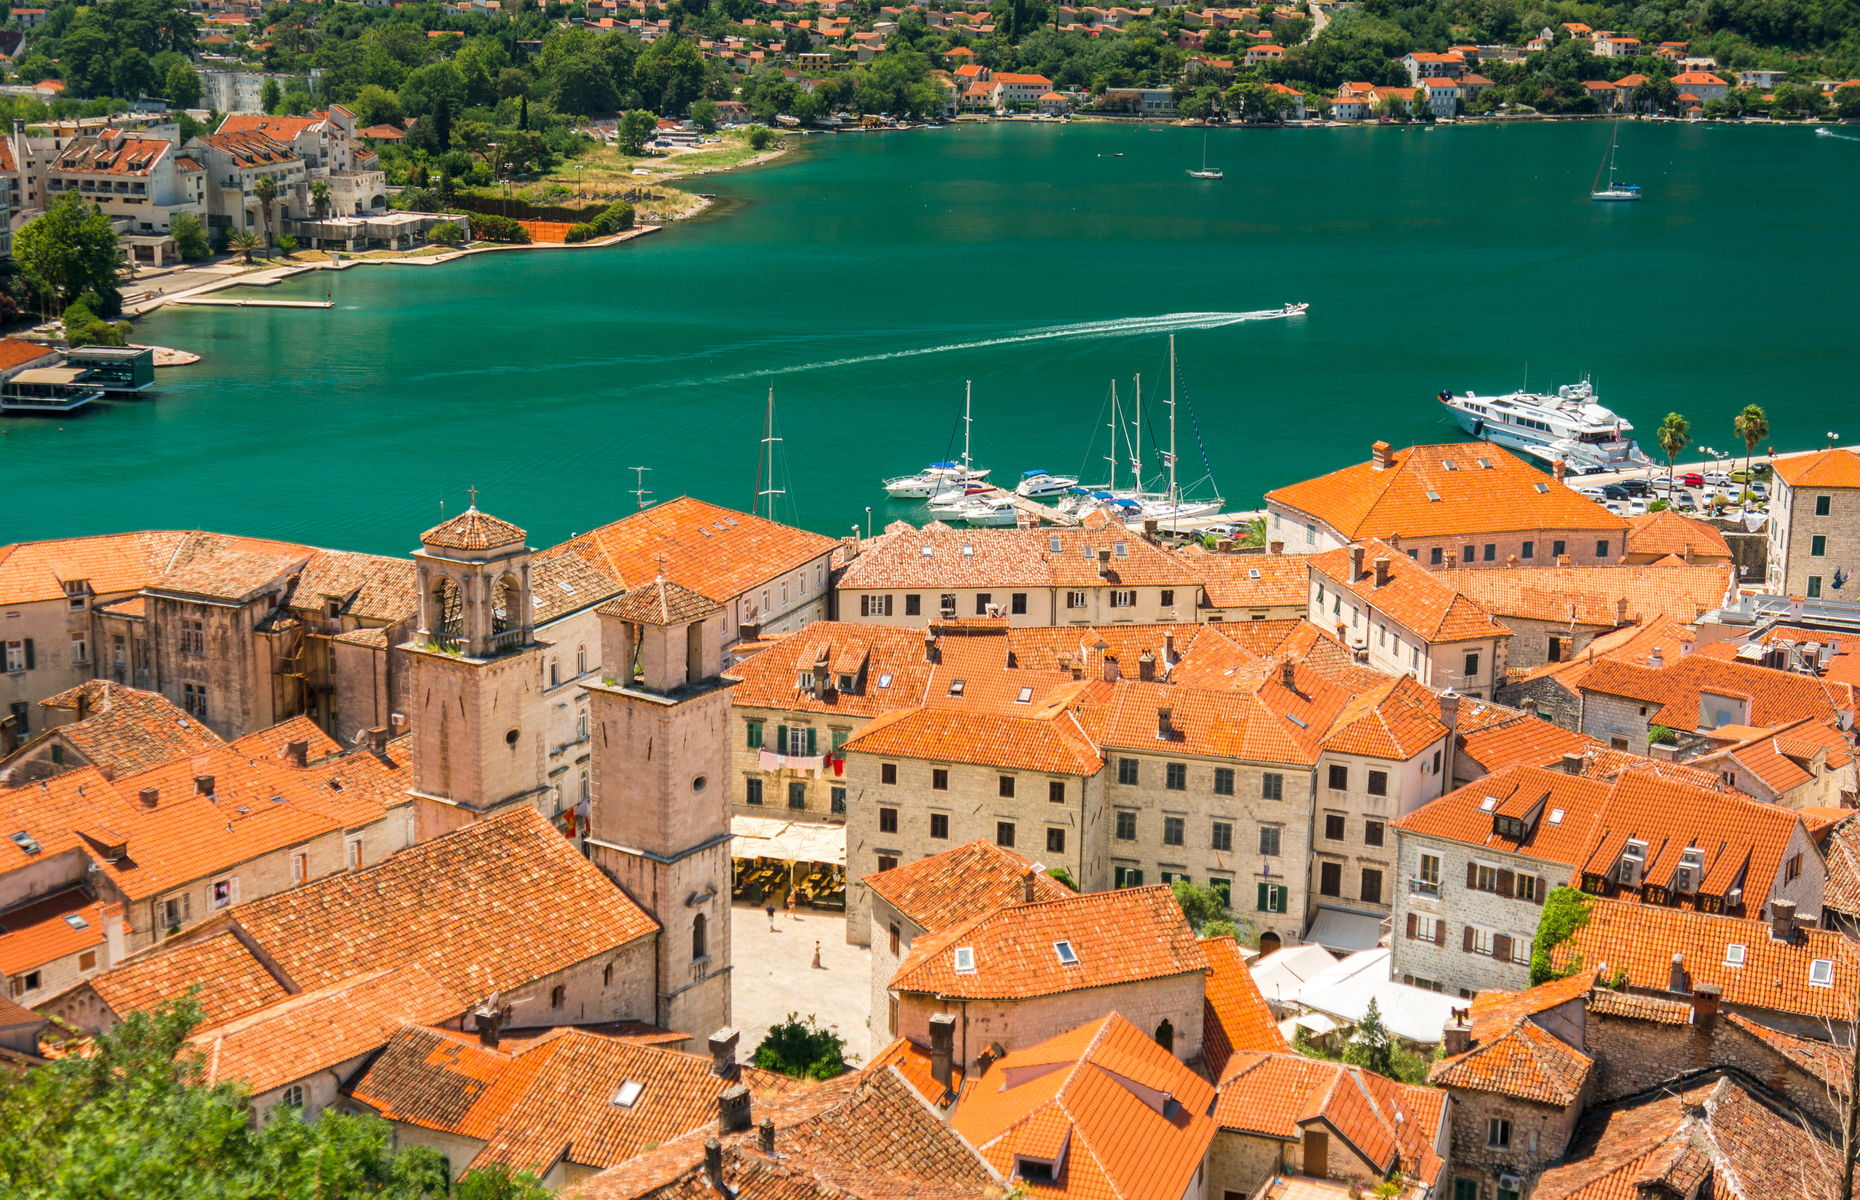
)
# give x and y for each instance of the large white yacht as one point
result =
(1571, 425)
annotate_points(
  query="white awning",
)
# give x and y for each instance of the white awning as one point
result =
(1345, 932)
(789, 841)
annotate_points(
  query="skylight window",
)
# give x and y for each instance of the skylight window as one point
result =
(565, 587)
(1433, 495)
(1448, 464)
(1485, 464)
(929, 552)
(703, 531)
(1296, 720)
(628, 1095)
(968, 551)
(965, 960)
(1067, 956)
(1733, 955)
(76, 922)
(1488, 804)
(335, 785)
(1121, 549)
(1054, 545)
(955, 687)
(1252, 573)
(1025, 697)
(1556, 816)
(1821, 973)
(884, 681)
(1543, 489)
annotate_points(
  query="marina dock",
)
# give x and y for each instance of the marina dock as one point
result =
(208, 301)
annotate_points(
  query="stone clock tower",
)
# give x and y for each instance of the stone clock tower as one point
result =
(660, 820)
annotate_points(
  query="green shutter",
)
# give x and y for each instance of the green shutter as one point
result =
(781, 739)
(1136, 879)
(1262, 899)
(755, 735)
(810, 742)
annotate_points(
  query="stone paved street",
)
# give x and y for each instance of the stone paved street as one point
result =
(774, 976)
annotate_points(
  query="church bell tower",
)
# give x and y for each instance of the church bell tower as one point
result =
(660, 820)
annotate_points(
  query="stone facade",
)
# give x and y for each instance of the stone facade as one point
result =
(1436, 908)
(1798, 527)
(1017, 1024)
(1239, 1162)
(1473, 667)
(1102, 604)
(1305, 534)
(821, 794)
(1633, 1055)
(1533, 1136)
(1618, 721)
(1364, 875)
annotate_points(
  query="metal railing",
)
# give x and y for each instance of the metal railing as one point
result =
(1423, 887)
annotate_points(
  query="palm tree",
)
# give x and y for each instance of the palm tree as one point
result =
(266, 189)
(319, 196)
(1675, 434)
(1753, 425)
(244, 242)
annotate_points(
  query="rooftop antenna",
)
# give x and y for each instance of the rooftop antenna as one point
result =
(768, 441)
(639, 492)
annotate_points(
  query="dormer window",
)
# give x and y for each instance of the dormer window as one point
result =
(955, 687)
(805, 681)
(846, 683)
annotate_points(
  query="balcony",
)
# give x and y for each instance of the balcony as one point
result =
(507, 641)
(1423, 887)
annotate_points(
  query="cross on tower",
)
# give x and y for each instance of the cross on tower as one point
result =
(474, 496)
(660, 559)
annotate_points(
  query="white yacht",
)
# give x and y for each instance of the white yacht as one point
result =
(939, 478)
(1571, 425)
(1039, 485)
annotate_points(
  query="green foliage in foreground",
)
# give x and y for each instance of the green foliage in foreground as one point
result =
(802, 1049)
(134, 1121)
(1565, 911)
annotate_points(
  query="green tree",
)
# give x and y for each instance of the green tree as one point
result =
(266, 189)
(35, 68)
(704, 112)
(498, 1182)
(1674, 435)
(375, 105)
(1370, 1046)
(446, 233)
(759, 137)
(512, 82)
(1753, 425)
(1204, 908)
(433, 94)
(670, 74)
(319, 196)
(1847, 102)
(636, 128)
(287, 243)
(182, 85)
(189, 238)
(802, 1049)
(243, 242)
(270, 96)
(68, 250)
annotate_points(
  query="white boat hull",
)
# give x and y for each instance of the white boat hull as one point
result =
(1045, 486)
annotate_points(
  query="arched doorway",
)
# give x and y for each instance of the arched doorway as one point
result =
(1268, 942)
(1165, 1036)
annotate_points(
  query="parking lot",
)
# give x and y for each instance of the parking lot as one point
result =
(1694, 484)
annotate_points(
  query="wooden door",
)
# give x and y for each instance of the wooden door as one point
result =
(1317, 1153)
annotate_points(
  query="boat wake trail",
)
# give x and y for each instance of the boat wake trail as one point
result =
(1844, 137)
(1122, 327)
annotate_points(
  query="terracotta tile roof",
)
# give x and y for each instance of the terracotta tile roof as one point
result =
(283, 129)
(1522, 1061)
(1088, 1100)
(1822, 469)
(223, 567)
(1609, 1003)
(111, 563)
(912, 1062)
(1249, 580)
(1842, 848)
(126, 730)
(1278, 1095)
(1117, 937)
(13, 1016)
(250, 148)
(232, 982)
(135, 608)
(1669, 532)
(1043, 648)
(1361, 502)
(1670, 635)
(92, 156)
(567, 584)
(1051, 742)
(369, 587)
(547, 1098)
(15, 353)
(1427, 604)
(1463, 815)
(717, 552)
(961, 884)
(1832, 1065)
(1714, 1136)
(1009, 558)
(472, 530)
(1236, 1017)
(661, 602)
(1592, 595)
(1610, 765)
(887, 663)
(50, 928)
(315, 1031)
(1642, 939)
(1775, 697)
(273, 740)
(1496, 737)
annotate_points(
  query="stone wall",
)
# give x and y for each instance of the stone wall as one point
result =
(1021, 1023)
(1617, 721)
(1239, 1162)
(1635, 1055)
(1045, 606)
(1538, 1135)
(1555, 702)
(1450, 964)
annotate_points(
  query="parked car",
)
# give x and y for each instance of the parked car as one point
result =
(1636, 508)
(1718, 478)
(1692, 479)
(1592, 493)
(1615, 491)
(1637, 487)
(1760, 490)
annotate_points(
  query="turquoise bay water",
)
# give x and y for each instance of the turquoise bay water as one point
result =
(1435, 259)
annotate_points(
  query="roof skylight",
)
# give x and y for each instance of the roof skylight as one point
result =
(1543, 489)
(1068, 957)
(628, 1095)
(884, 681)
(955, 687)
(965, 960)
(1821, 973)
(929, 552)
(1733, 955)
(76, 922)
(1054, 545)
(1252, 572)
(1433, 495)
(1488, 804)
(1556, 816)
(1025, 697)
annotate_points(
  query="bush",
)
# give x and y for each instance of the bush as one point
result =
(189, 238)
(446, 233)
(760, 136)
(1565, 911)
(493, 228)
(1064, 876)
(802, 1050)
(83, 327)
(617, 218)
(580, 233)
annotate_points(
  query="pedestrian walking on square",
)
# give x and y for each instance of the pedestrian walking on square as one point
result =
(792, 895)
(771, 910)
(817, 965)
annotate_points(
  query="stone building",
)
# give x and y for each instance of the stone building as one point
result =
(1555, 613)
(1556, 687)
(1805, 764)
(1814, 519)
(1623, 703)
(1248, 587)
(1470, 503)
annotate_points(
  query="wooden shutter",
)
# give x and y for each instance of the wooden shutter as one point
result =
(1505, 879)
(810, 741)
(865, 606)
(781, 739)
(1466, 943)
(1440, 933)
(1262, 898)
(1543, 885)
(1411, 924)
(30, 664)
(887, 603)
(1501, 947)
(1472, 875)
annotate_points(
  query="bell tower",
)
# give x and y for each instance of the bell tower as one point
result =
(475, 679)
(660, 820)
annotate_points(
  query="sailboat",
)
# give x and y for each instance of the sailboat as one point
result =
(1167, 507)
(1614, 191)
(1206, 171)
(943, 477)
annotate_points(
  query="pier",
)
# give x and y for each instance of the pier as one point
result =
(204, 301)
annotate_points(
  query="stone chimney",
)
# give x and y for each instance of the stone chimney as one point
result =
(150, 797)
(1149, 529)
(1104, 563)
(1453, 559)
(733, 1110)
(749, 631)
(1572, 764)
(1530, 706)
(203, 785)
(723, 1052)
(1275, 547)
(1027, 890)
(942, 1047)
(1164, 727)
(1382, 572)
(1621, 611)
(1288, 675)
(1146, 667)
(488, 1018)
(1782, 920)
(1224, 545)
(1110, 669)
(1356, 563)
(713, 1163)
(929, 645)
(297, 753)
(1676, 976)
(1381, 458)
(851, 546)
(1168, 648)
(1450, 717)
(1560, 469)
(1457, 1033)
(376, 739)
(765, 1136)
(115, 935)
(83, 705)
(1705, 1003)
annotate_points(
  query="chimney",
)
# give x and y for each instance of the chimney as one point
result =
(1027, 891)
(1656, 658)
(1705, 1003)
(1110, 669)
(488, 1019)
(1149, 528)
(1782, 920)
(1621, 611)
(203, 785)
(1275, 547)
(1560, 469)
(1168, 648)
(1530, 706)
(1382, 572)
(115, 936)
(765, 1136)
(1457, 1033)
(1381, 458)
(297, 753)
(929, 645)
(1511, 560)
(1104, 564)
(749, 631)
(1676, 977)
(1450, 717)
(150, 797)
(1356, 563)
(1453, 559)
(83, 705)
(376, 739)
(1288, 675)
(723, 1052)
(733, 1110)
(1572, 764)
(1164, 729)
(942, 1047)
(713, 1163)
(1223, 545)
(851, 545)
(1146, 667)
(1450, 709)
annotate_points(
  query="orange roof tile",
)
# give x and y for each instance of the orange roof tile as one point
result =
(1009, 558)
(1496, 737)
(1117, 937)
(1524, 1061)
(50, 928)
(1774, 696)
(1822, 469)
(1278, 1094)
(961, 884)
(15, 353)
(1671, 532)
(1428, 604)
(1361, 502)
(232, 982)
(472, 530)
(1050, 742)
(913, 1063)
(1832, 1065)
(887, 663)
(110, 564)
(1249, 580)
(1237, 1018)
(124, 730)
(1593, 595)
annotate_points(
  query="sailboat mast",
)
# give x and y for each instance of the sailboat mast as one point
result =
(966, 422)
(768, 441)
(1136, 446)
(1115, 423)
(1172, 496)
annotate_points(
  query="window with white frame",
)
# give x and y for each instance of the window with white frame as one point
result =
(1123, 599)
